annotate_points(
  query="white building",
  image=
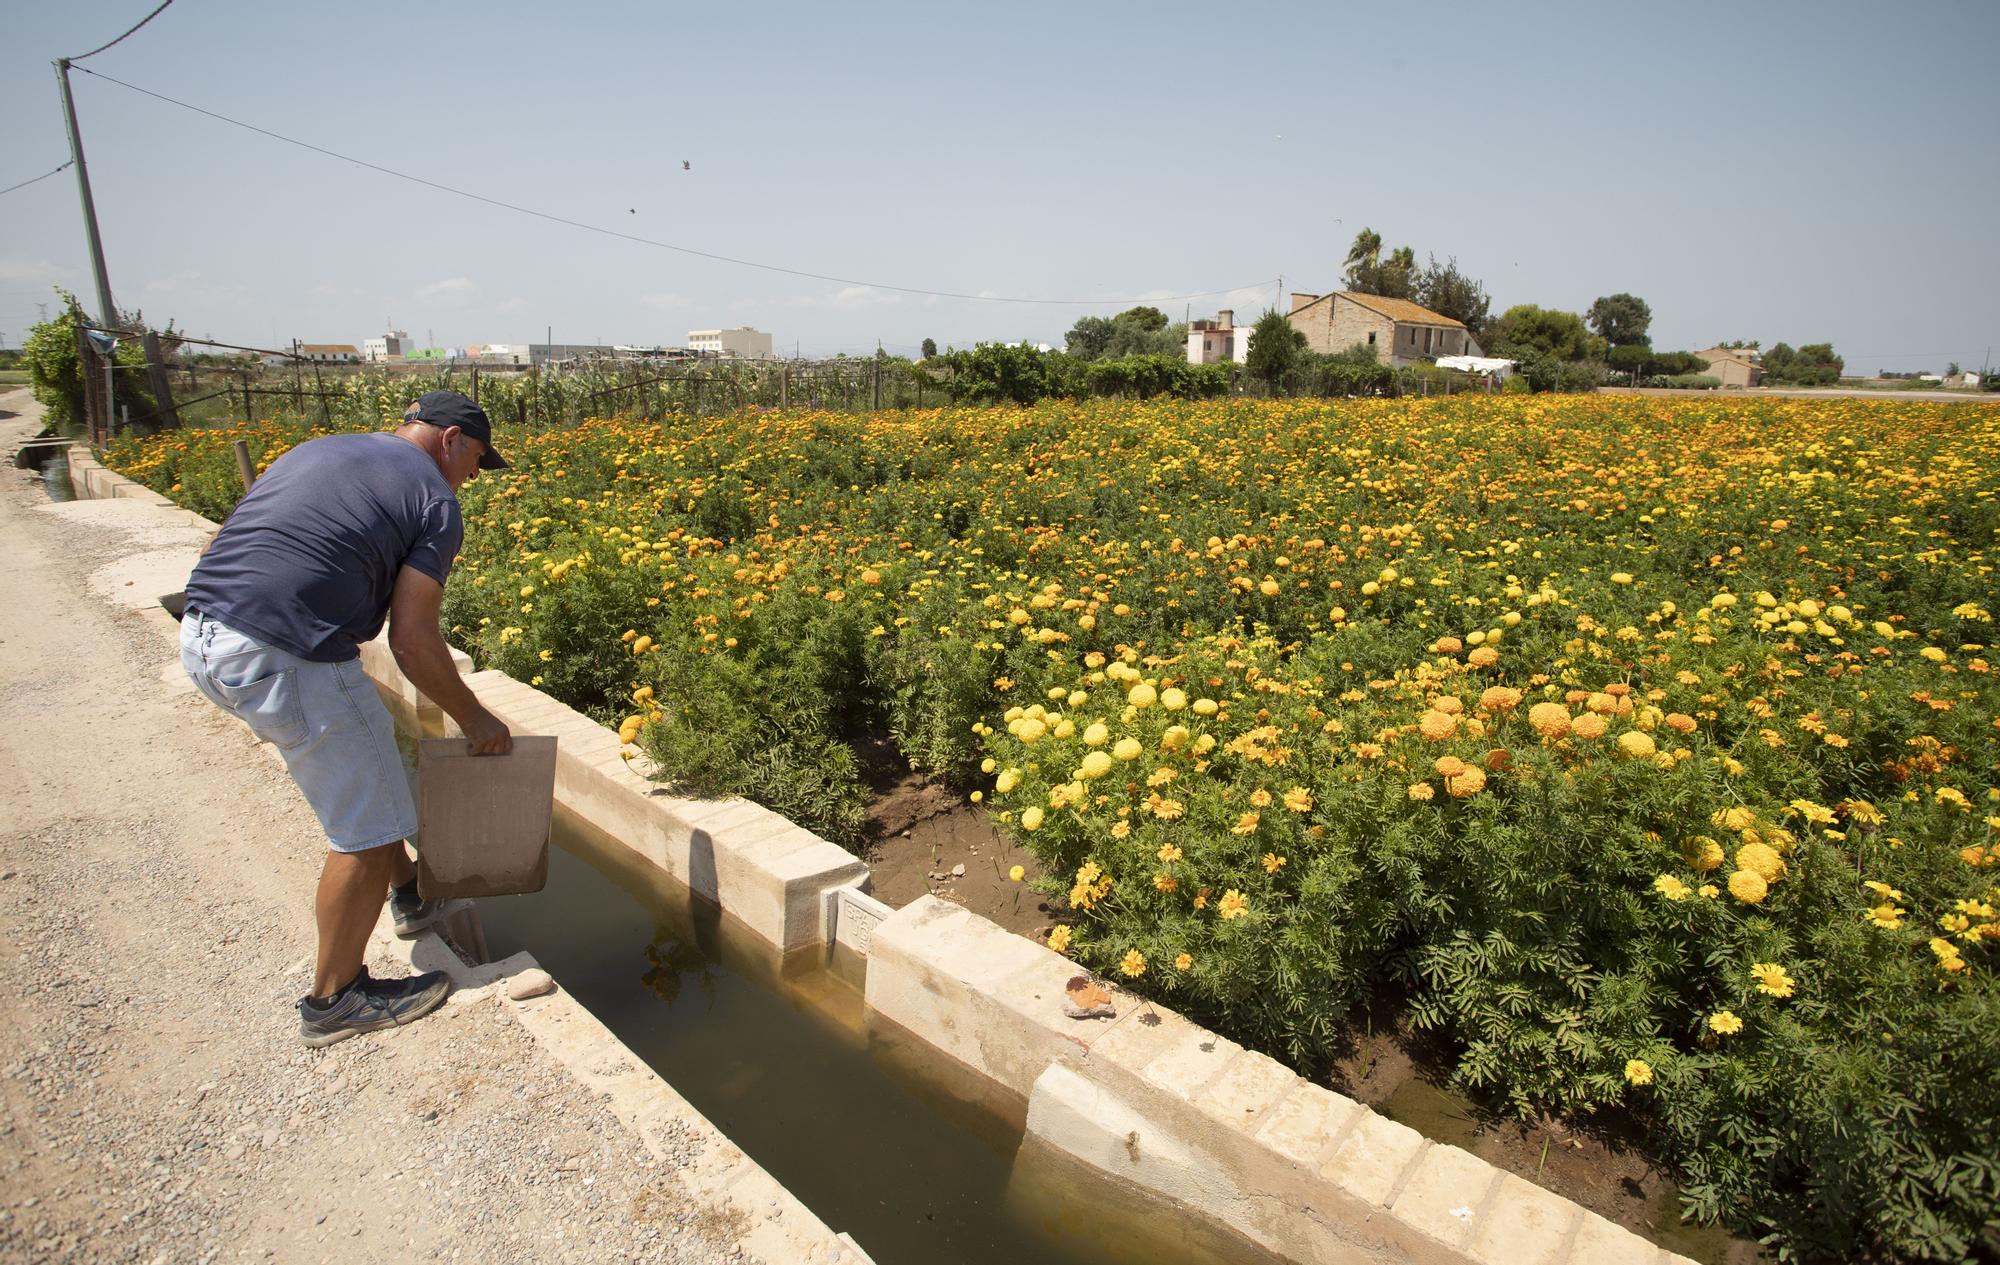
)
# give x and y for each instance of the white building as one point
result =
(1211, 342)
(329, 353)
(742, 343)
(393, 345)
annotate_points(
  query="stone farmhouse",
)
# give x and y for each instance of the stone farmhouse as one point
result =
(1733, 365)
(1398, 331)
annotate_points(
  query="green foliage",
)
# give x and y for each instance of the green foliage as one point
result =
(1369, 273)
(929, 348)
(1001, 373)
(1139, 331)
(1276, 349)
(1685, 381)
(1621, 319)
(1138, 377)
(1811, 365)
(1525, 327)
(1445, 290)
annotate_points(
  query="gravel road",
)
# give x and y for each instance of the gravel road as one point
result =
(156, 872)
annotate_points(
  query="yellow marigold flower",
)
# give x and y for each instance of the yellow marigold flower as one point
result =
(1638, 1071)
(1166, 809)
(1680, 722)
(641, 645)
(1127, 749)
(1245, 825)
(1017, 873)
(1120, 829)
(1142, 695)
(1671, 888)
(1299, 799)
(1095, 734)
(1635, 745)
(1421, 791)
(1007, 781)
(1447, 645)
(1703, 853)
(1887, 916)
(1437, 725)
(1031, 818)
(1883, 889)
(1736, 818)
(1234, 904)
(1762, 859)
(1172, 699)
(1812, 812)
(1059, 939)
(1168, 853)
(1724, 1023)
(1483, 657)
(1165, 882)
(1551, 720)
(1772, 979)
(1447, 765)
(1466, 783)
(1182, 961)
(836, 595)
(1590, 725)
(1499, 699)
(871, 576)
(1932, 653)
(1174, 738)
(1204, 707)
(1095, 765)
(1273, 863)
(1748, 886)
(1710, 891)
(1260, 798)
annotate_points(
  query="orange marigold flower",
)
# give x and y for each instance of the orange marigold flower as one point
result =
(1421, 791)
(1437, 725)
(1245, 825)
(1466, 783)
(1590, 725)
(1500, 699)
(1551, 720)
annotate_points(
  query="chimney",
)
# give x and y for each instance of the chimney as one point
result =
(1300, 300)
(1226, 318)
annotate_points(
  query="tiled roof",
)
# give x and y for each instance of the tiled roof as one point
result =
(327, 348)
(1401, 310)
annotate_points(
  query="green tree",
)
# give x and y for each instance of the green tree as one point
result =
(1138, 331)
(929, 348)
(1276, 348)
(1367, 249)
(1814, 364)
(1621, 319)
(55, 369)
(1443, 289)
(1550, 331)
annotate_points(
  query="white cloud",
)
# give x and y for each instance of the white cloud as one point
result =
(845, 299)
(33, 272)
(513, 307)
(448, 292)
(666, 302)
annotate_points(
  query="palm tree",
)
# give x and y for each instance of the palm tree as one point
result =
(1367, 248)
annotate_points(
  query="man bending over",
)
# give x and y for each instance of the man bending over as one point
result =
(340, 533)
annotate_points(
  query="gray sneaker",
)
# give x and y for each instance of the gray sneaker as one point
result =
(412, 918)
(370, 1005)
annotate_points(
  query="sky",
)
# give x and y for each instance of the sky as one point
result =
(1798, 172)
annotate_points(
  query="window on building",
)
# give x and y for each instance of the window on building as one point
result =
(1371, 338)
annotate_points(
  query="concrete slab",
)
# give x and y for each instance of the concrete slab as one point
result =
(1444, 1194)
(1304, 1125)
(1525, 1225)
(1372, 1158)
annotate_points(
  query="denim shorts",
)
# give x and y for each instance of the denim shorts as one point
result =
(326, 720)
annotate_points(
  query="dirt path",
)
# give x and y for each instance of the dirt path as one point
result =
(156, 872)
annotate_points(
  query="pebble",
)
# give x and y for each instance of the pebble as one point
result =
(533, 982)
(958, 871)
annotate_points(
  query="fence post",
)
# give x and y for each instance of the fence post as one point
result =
(156, 373)
(785, 387)
(875, 388)
(244, 469)
(319, 389)
(475, 384)
(249, 417)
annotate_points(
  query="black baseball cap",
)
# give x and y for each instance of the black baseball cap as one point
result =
(451, 408)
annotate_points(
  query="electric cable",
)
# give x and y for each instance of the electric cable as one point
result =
(44, 176)
(121, 39)
(648, 241)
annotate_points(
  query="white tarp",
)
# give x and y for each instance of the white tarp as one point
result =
(1481, 365)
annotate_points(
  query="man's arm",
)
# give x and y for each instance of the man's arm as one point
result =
(424, 658)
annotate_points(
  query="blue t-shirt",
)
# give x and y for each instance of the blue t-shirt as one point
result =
(309, 558)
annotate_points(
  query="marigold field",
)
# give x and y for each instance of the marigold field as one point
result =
(1645, 749)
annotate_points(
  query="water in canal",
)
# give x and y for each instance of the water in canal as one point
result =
(870, 1136)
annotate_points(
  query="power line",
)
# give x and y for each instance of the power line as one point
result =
(647, 241)
(44, 176)
(121, 39)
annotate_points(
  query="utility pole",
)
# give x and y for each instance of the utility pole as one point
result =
(107, 311)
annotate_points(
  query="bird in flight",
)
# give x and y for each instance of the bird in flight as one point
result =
(686, 165)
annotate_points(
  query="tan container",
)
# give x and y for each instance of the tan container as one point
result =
(483, 820)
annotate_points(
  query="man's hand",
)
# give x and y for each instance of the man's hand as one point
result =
(488, 734)
(425, 659)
